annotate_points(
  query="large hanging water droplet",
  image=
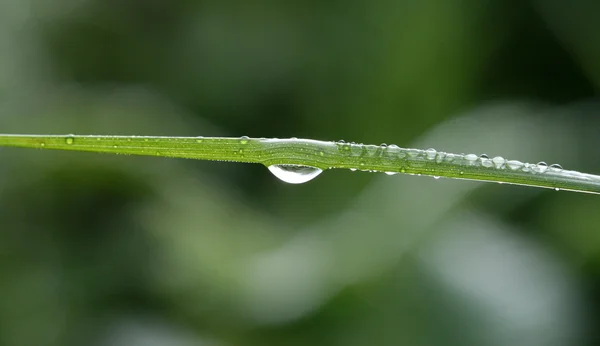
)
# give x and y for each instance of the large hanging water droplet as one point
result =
(295, 174)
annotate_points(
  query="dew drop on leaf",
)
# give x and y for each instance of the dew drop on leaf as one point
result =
(295, 174)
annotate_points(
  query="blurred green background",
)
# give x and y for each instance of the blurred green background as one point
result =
(112, 250)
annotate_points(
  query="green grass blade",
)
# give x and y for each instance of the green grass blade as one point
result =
(322, 155)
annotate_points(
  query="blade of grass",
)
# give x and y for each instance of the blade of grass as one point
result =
(323, 155)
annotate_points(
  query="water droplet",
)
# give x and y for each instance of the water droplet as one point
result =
(69, 140)
(486, 162)
(42, 144)
(393, 147)
(440, 157)
(498, 161)
(450, 157)
(413, 152)
(484, 156)
(541, 167)
(402, 170)
(295, 174)
(555, 167)
(471, 158)
(383, 145)
(199, 139)
(244, 140)
(353, 169)
(436, 177)
(556, 189)
(362, 164)
(526, 167)
(430, 153)
(391, 173)
(514, 164)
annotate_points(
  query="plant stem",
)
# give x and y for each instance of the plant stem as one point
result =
(322, 155)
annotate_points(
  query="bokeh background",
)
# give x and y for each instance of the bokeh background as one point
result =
(126, 251)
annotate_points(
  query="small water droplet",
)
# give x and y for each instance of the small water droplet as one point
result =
(526, 167)
(199, 139)
(484, 156)
(498, 161)
(430, 153)
(391, 173)
(439, 158)
(555, 167)
(450, 157)
(402, 170)
(114, 146)
(486, 162)
(413, 152)
(69, 140)
(514, 164)
(436, 177)
(556, 189)
(244, 140)
(42, 144)
(471, 158)
(295, 174)
(353, 169)
(362, 164)
(383, 145)
(541, 167)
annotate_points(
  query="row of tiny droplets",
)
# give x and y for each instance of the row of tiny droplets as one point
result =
(415, 156)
